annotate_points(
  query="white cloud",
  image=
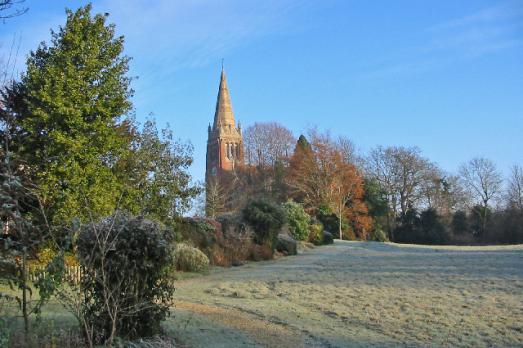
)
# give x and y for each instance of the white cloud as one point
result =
(185, 33)
(484, 32)
(165, 36)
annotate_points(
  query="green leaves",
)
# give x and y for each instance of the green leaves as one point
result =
(298, 220)
(69, 107)
(126, 262)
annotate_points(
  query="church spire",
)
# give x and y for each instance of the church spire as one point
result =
(223, 115)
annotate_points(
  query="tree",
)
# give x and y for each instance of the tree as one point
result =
(483, 181)
(460, 224)
(433, 229)
(346, 197)
(376, 201)
(320, 175)
(400, 173)
(214, 198)
(443, 192)
(515, 188)
(424, 228)
(9, 8)
(267, 148)
(266, 143)
(154, 174)
(69, 108)
(348, 150)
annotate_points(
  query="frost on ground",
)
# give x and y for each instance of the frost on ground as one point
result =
(357, 294)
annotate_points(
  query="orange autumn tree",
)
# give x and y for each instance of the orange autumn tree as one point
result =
(320, 175)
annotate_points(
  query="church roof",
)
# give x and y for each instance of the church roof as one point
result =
(223, 115)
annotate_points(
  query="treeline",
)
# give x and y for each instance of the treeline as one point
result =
(392, 193)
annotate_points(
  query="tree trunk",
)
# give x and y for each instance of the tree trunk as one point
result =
(339, 227)
(24, 295)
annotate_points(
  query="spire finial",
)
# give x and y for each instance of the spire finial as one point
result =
(222, 64)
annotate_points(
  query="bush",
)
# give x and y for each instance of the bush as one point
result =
(327, 238)
(190, 259)
(260, 252)
(232, 249)
(126, 284)
(297, 219)
(266, 218)
(329, 220)
(316, 234)
(199, 233)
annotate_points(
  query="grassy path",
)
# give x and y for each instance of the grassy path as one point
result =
(359, 294)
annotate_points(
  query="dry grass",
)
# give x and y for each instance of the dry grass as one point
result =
(370, 294)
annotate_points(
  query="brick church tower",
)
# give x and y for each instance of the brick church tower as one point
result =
(224, 142)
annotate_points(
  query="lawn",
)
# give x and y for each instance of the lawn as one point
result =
(352, 294)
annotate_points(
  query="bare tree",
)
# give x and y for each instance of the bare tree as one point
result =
(266, 143)
(483, 181)
(515, 187)
(443, 192)
(11, 8)
(403, 175)
(400, 171)
(214, 198)
(349, 151)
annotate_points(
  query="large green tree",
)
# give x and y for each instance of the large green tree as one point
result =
(69, 115)
(154, 176)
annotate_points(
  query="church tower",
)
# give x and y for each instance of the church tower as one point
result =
(224, 142)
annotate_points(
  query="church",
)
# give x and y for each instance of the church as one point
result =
(224, 142)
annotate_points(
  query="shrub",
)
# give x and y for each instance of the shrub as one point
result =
(190, 259)
(329, 220)
(230, 250)
(266, 218)
(297, 219)
(126, 288)
(316, 234)
(260, 252)
(199, 233)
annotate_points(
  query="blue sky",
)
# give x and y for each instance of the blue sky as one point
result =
(446, 76)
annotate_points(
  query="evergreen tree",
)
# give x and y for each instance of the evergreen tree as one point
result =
(460, 223)
(433, 230)
(69, 109)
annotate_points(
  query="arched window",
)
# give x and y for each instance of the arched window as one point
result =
(238, 150)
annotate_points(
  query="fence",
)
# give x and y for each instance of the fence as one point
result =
(72, 274)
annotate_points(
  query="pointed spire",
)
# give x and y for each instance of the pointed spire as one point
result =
(223, 115)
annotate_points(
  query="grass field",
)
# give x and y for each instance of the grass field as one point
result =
(355, 294)
(358, 294)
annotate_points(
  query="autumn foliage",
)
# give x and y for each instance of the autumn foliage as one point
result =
(319, 174)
